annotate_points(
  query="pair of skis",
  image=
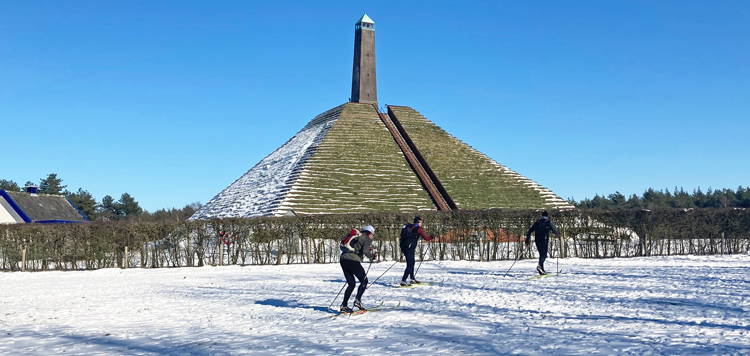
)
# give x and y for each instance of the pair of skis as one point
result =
(546, 275)
(379, 307)
(421, 284)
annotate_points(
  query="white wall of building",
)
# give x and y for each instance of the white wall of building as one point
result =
(7, 214)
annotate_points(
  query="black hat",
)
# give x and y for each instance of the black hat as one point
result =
(417, 219)
(545, 213)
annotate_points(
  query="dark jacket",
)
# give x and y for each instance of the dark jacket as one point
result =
(409, 241)
(541, 229)
(363, 246)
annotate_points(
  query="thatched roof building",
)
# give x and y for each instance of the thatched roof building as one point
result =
(30, 207)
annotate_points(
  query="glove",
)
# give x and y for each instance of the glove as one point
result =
(375, 256)
(528, 240)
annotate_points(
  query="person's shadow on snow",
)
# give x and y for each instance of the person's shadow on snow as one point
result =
(286, 304)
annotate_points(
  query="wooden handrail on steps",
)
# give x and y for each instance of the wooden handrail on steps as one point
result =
(414, 161)
(421, 160)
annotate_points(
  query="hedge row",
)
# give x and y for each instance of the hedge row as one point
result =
(482, 235)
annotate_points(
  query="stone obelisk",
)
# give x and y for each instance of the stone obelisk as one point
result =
(364, 85)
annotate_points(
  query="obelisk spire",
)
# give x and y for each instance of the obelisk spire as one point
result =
(364, 85)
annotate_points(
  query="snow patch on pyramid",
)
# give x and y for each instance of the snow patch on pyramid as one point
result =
(259, 191)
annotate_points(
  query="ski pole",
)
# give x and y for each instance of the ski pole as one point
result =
(366, 273)
(559, 252)
(337, 295)
(368, 269)
(514, 263)
(421, 257)
(376, 279)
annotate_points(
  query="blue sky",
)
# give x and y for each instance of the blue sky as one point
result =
(171, 101)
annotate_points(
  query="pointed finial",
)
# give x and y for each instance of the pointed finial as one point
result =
(365, 19)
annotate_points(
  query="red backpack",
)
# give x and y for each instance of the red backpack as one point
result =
(347, 243)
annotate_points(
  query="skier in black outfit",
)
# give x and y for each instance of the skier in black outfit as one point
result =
(351, 263)
(541, 229)
(410, 234)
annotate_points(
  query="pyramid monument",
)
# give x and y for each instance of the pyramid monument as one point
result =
(358, 158)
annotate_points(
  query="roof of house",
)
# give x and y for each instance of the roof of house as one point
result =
(46, 207)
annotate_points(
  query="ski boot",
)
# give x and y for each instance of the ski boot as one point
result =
(414, 281)
(358, 305)
(405, 284)
(540, 270)
(345, 310)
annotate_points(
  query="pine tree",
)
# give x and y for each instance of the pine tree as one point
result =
(108, 209)
(84, 201)
(744, 197)
(617, 198)
(699, 198)
(51, 185)
(634, 202)
(190, 209)
(9, 185)
(719, 198)
(127, 205)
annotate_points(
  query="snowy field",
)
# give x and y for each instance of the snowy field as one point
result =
(640, 306)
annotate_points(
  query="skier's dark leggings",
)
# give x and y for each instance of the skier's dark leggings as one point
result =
(542, 246)
(408, 250)
(352, 269)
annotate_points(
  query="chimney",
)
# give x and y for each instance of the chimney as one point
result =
(31, 189)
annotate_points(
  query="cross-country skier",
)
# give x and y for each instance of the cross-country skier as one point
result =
(541, 229)
(351, 263)
(410, 234)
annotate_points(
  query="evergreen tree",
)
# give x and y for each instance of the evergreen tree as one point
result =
(108, 209)
(652, 198)
(634, 202)
(743, 197)
(51, 185)
(127, 206)
(9, 185)
(190, 209)
(172, 214)
(84, 201)
(681, 199)
(617, 198)
(720, 198)
(600, 202)
(699, 199)
(160, 215)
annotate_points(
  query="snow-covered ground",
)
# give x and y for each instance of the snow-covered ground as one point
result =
(641, 306)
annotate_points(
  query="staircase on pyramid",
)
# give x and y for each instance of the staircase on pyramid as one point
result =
(354, 158)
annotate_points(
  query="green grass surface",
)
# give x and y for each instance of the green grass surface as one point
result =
(358, 167)
(472, 179)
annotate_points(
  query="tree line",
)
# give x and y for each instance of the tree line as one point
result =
(107, 209)
(653, 199)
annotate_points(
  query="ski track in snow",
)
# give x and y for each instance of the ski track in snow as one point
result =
(687, 305)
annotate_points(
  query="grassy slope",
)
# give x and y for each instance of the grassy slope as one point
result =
(357, 168)
(472, 179)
